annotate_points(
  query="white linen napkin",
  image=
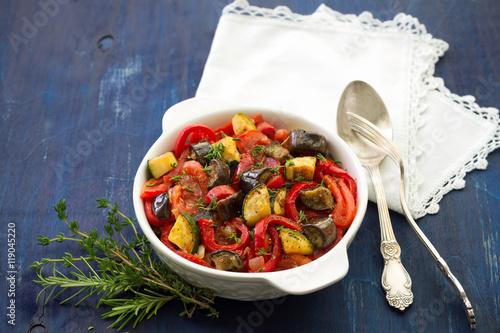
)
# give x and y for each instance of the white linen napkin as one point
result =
(301, 64)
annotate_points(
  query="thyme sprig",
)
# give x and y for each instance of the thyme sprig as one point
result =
(121, 266)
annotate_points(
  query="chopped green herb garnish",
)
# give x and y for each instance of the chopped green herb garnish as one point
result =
(188, 189)
(200, 203)
(234, 238)
(150, 185)
(321, 157)
(299, 178)
(237, 139)
(257, 149)
(212, 205)
(173, 165)
(262, 252)
(321, 184)
(206, 169)
(259, 164)
(176, 178)
(303, 217)
(290, 163)
(216, 151)
(252, 234)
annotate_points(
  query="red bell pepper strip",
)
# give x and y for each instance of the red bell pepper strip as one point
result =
(329, 167)
(246, 161)
(150, 215)
(199, 131)
(345, 208)
(208, 235)
(224, 130)
(271, 264)
(262, 226)
(267, 129)
(292, 195)
(164, 239)
(220, 192)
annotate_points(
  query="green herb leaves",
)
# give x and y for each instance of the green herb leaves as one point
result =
(114, 265)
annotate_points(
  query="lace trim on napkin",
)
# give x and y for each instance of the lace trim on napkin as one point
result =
(476, 159)
(426, 52)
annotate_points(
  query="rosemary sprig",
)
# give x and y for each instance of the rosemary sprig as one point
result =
(121, 266)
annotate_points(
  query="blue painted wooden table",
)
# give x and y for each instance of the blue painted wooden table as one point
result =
(78, 112)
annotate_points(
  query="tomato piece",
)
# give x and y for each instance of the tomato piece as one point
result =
(250, 139)
(257, 119)
(267, 129)
(246, 161)
(153, 187)
(277, 181)
(224, 130)
(196, 132)
(345, 208)
(281, 135)
(292, 260)
(191, 187)
(220, 192)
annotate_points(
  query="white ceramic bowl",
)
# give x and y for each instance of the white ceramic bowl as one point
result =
(316, 275)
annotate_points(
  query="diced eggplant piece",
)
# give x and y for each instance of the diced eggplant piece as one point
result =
(161, 206)
(319, 198)
(306, 142)
(230, 207)
(227, 260)
(321, 231)
(219, 173)
(232, 168)
(253, 177)
(277, 151)
(198, 151)
(202, 214)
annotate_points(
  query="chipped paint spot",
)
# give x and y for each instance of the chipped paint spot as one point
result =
(113, 83)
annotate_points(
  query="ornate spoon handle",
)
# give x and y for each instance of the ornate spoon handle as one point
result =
(369, 131)
(395, 279)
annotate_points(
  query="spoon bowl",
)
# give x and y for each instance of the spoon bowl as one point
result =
(361, 99)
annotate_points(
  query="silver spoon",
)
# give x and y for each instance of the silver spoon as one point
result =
(371, 132)
(360, 98)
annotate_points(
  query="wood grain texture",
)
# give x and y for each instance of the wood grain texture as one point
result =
(76, 120)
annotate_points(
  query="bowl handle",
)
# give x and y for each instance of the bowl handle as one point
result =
(313, 276)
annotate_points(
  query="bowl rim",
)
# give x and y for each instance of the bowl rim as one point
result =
(178, 116)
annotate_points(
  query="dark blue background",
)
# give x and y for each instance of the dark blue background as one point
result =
(75, 122)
